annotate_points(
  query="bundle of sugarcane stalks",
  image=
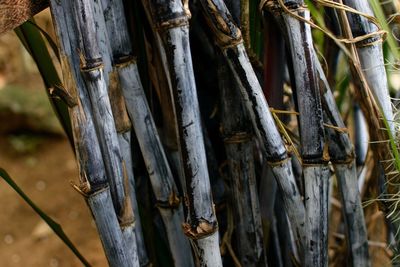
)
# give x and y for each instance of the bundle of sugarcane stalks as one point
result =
(233, 133)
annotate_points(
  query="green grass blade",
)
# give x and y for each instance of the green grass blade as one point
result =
(393, 144)
(317, 14)
(49, 40)
(50, 222)
(33, 41)
(256, 32)
(378, 11)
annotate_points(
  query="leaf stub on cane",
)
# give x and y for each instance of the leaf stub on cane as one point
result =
(237, 138)
(202, 230)
(122, 121)
(169, 14)
(69, 82)
(126, 217)
(173, 202)
(226, 32)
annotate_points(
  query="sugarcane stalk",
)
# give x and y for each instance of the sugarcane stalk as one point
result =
(114, 17)
(315, 169)
(162, 86)
(271, 198)
(361, 136)
(159, 76)
(167, 102)
(93, 74)
(94, 182)
(159, 171)
(154, 156)
(369, 72)
(239, 149)
(238, 141)
(228, 38)
(171, 21)
(371, 56)
(103, 40)
(122, 122)
(123, 126)
(371, 94)
(341, 152)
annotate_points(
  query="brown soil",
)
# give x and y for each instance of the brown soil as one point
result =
(45, 175)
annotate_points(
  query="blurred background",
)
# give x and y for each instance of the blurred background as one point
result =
(35, 152)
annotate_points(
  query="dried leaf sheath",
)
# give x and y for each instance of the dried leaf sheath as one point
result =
(15, 12)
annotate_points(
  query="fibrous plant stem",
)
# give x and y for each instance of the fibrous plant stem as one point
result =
(171, 20)
(229, 40)
(94, 181)
(341, 152)
(239, 149)
(315, 160)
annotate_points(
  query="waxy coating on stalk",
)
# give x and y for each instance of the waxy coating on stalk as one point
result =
(161, 177)
(314, 154)
(92, 71)
(341, 152)
(94, 180)
(166, 14)
(171, 21)
(370, 54)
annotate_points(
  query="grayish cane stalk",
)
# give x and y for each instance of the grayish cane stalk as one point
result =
(342, 156)
(92, 72)
(153, 153)
(371, 56)
(228, 38)
(122, 122)
(239, 149)
(315, 169)
(157, 165)
(171, 20)
(94, 181)
(123, 127)
(370, 92)
(168, 105)
(361, 136)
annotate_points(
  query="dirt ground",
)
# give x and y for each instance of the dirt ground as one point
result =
(45, 176)
(43, 166)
